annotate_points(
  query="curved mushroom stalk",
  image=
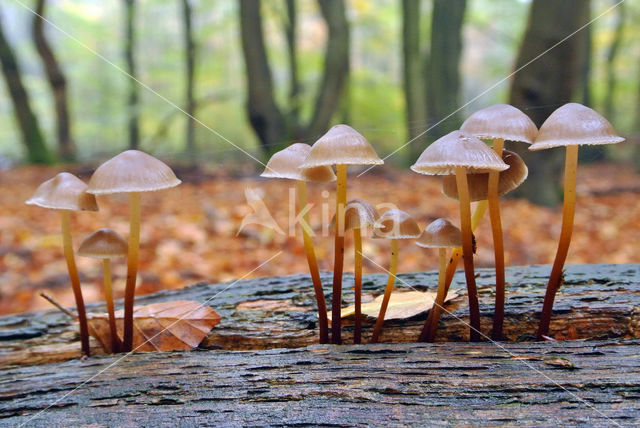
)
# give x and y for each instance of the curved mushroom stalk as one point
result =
(393, 268)
(338, 264)
(428, 333)
(132, 269)
(498, 245)
(108, 297)
(357, 288)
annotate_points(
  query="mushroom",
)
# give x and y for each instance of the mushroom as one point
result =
(286, 164)
(440, 234)
(570, 126)
(458, 153)
(499, 122)
(340, 146)
(106, 244)
(394, 224)
(132, 172)
(66, 192)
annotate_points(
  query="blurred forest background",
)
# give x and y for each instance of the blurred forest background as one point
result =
(264, 74)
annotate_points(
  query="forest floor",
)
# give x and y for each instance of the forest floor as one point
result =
(190, 233)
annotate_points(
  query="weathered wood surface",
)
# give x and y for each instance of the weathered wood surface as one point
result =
(596, 302)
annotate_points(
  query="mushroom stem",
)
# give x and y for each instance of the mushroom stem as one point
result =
(498, 246)
(75, 280)
(323, 324)
(336, 300)
(393, 267)
(467, 253)
(568, 210)
(357, 290)
(108, 297)
(429, 330)
(132, 269)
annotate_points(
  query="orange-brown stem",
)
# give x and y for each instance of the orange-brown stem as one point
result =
(336, 299)
(108, 297)
(498, 245)
(391, 279)
(132, 269)
(357, 289)
(555, 279)
(428, 333)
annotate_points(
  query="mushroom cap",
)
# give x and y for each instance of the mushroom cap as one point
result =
(479, 183)
(457, 149)
(341, 145)
(358, 214)
(64, 192)
(286, 164)
(396, 224)
(440, 234)
(574, 124)
(501, 121)
(132, 171)
(103, 244)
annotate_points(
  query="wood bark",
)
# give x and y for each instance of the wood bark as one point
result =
(32, 138)
(133, 97)
(57, 82)
(189, 62)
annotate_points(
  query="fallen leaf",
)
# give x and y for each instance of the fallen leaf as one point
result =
(167, 326)
(559, 362)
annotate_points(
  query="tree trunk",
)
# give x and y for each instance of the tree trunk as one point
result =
(37, 151)
(612, 55)
(190, 59)
(546, 84)
(413, 77)
(57, 82)
(129, 53)
(292, 53)
(443, 66)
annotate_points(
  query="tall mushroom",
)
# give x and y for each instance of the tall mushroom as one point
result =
(340, 146)
(106, 244)
(498, 123)
(131, 172)
(569, 126)
(456, 154)
(286, 164)
(66, 192)
(394, 224)
(440, 234)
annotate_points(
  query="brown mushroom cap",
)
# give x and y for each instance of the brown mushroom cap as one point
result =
(479, 183)
(457, 149)
(103, 244)
(440, 234)
(341, 145)
(501, 121)
(574, 124)
(396, 224)
(132, 171)
(64, 192)
(358, 214)
(286, 164)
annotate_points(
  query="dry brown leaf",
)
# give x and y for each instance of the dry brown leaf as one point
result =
(167, 326)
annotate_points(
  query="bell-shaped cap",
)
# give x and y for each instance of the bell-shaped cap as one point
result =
(479, 183)
(103, 244)
(64, 192)
(286, 164)
(440, 234)
(358, 214)
(501, 121)
(574, 124)
(396, 224)
(457, 149)
(341, 145)
(132, 171)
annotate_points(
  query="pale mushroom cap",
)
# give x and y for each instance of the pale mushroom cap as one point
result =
(479, 183)
(132, 171)
(457, 149)
(103, 244)
(396, 224)
(358, 214)
(501, 121)
(286, 164)
(574, 124)
(440, 234)
(341, 145)
(64, 192)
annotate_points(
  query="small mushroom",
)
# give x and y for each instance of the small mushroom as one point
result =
(286, 164)
(106, 244)
(340, 146)
(394, 225)
(569, 126)
(131, 172)
(66, 192)
(440, 234)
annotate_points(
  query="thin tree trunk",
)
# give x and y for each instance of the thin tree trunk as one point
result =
(546, 84)
(57, 82)
(612, 55)
(129, 53)
(190, 59)
(294, 82)
(37, 151)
